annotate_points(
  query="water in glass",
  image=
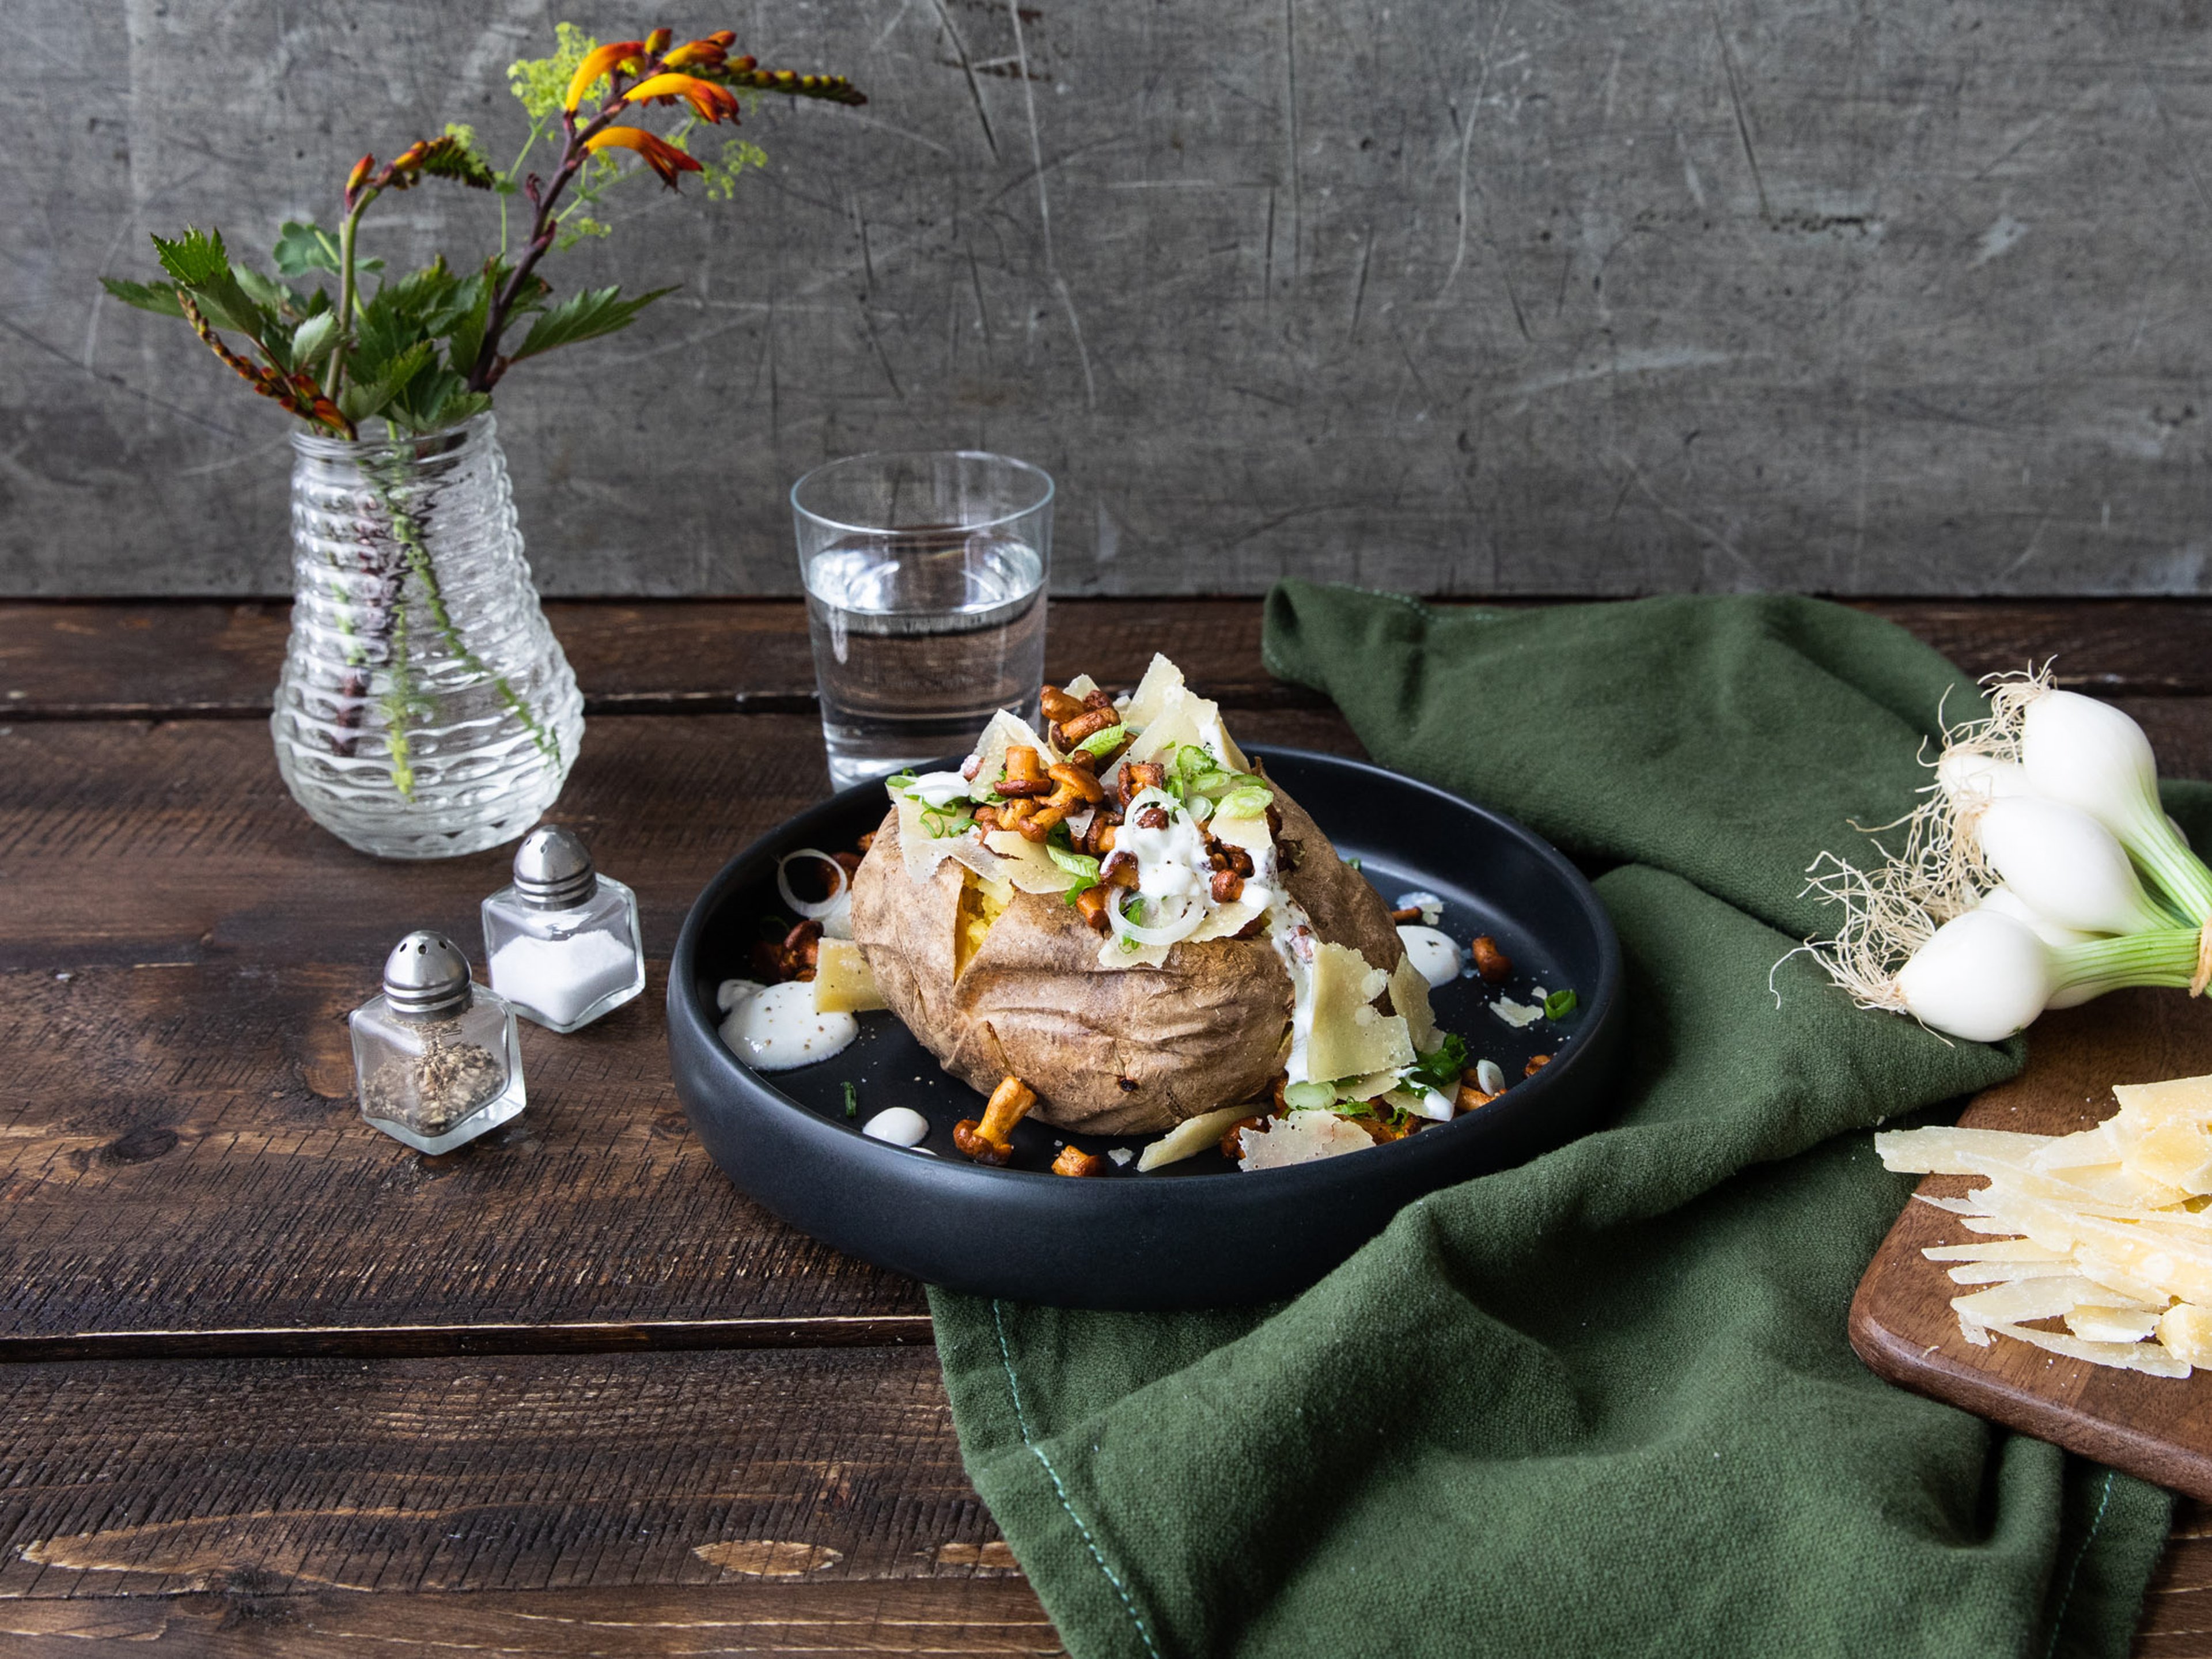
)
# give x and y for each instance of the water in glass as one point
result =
(918, 638)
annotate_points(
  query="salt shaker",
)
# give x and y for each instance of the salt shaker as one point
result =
(563, 941)
(435, 1056)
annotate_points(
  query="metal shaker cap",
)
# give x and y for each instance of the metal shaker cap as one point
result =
(552, 871)
(426, 974)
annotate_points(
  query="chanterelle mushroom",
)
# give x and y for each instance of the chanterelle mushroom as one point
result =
(991, 1141)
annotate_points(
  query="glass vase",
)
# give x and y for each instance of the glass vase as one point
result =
(426, 709)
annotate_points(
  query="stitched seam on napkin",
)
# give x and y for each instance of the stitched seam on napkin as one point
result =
(1267, 659)
(1021, 1420)
(2058, 1615)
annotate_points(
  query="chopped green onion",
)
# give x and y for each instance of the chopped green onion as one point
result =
(852, 1101)
(1247, 804)
(1305, 1097)
(899, 783)
(1099, 742)
(1558, 1005)
(1081, 864)
(1353, 862)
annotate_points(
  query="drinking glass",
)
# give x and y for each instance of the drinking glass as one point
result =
(925, 574)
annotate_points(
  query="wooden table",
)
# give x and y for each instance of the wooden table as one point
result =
(276, 1382)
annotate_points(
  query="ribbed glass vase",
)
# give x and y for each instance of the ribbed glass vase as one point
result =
(425, 709)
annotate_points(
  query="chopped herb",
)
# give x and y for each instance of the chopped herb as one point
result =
(1305, 1097)
(1440, 1068)
(1129, 945)
(1558, 1005)
(1354, 863)
(1081, 865)
(852, 1101)
(1099, 742)
(943, 821)
(1245, 803)
(899, 783)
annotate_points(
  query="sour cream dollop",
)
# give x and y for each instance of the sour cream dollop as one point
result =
(902, 1125)
(1435, 957)
(778, 1028)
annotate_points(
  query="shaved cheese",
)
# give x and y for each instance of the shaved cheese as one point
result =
(1349, 1037)
(2181, 1097)
(1026, 864)
(2186, 1330)
(1190, 1137)
(2108, 1229)
(1409, 995)
(2094, 1324)
(2011, 1249)
(2147, 1357)
(1302, 1138)
(1080, 687)
(1162, 679)
(920, 851)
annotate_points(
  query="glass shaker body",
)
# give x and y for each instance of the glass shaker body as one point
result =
(564, 968)
(437, 1081)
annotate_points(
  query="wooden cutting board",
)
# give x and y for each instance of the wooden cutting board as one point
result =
(1901, 1322)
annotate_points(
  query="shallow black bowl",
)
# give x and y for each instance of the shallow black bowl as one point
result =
(1199, 1233)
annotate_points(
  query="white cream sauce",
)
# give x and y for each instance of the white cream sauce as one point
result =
(778, 1028)
(1435, 957)
(902, 1125)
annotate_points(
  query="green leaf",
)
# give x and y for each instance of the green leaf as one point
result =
(1440, 1068)
(302, 248)
(195, 259)
(1099, 742)
(365, 397)
(474, 305)
(158, 297)
(312, 339)
(269, 295)
(583, 316)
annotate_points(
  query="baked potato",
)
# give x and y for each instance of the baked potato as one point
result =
(1179, 937)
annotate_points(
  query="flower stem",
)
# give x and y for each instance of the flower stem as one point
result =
(346, 300)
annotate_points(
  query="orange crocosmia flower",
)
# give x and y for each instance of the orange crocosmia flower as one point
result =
(663, 157)
(598, 64)
(708, 101)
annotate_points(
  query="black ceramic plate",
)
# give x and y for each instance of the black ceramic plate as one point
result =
(1200, 1233)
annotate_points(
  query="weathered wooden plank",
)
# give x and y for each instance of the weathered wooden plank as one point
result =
(274, 1478)
(2177, 1617)
(181, 1155)
(943, 1618)
(183, 658)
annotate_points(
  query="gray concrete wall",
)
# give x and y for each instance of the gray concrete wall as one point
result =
(1902, 296)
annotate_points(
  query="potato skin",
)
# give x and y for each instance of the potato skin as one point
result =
(1109, 1051)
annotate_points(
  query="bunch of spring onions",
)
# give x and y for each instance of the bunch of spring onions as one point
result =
(2040, 872)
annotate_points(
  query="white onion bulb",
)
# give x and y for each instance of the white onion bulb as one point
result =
(1982, 976)
(2065, 865)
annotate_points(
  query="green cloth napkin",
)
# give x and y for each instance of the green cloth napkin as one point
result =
(1602, 1404)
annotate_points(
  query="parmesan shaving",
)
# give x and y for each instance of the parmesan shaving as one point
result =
(2107, 1231)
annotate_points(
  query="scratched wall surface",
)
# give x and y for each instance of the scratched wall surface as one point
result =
(1454, 295)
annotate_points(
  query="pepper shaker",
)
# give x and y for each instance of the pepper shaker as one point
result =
(563, 941)
(435, 1056)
